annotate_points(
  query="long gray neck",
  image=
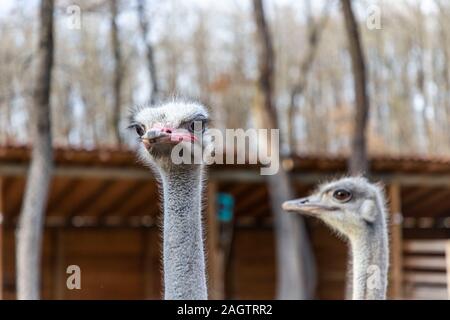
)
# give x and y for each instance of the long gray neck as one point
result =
(370, 254)
(184, 260)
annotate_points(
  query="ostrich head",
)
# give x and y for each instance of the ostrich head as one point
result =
(349, 205)
(171, 130)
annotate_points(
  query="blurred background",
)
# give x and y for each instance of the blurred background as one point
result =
(354, 87)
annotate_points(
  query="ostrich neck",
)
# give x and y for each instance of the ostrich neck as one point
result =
(184, 261)
(370, 262)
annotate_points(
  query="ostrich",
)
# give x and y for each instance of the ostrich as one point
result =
(356, 209)
(161, 130)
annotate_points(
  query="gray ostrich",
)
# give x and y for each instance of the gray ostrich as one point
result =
(356, 209)
(162, 130)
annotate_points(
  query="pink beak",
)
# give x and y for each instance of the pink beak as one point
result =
(162, 134)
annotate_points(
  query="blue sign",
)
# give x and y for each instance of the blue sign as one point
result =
(225, 205)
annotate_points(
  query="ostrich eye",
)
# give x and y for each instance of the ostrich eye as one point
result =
(342, 195)
(197, 124)
(140, 130)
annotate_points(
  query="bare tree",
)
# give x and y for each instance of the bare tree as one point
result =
(30, 229)
(411, 65)
(443, 42)
(201, 47)
(358, 162)
(295, 269)
(118, 68)
(145, 26)
(314, 33)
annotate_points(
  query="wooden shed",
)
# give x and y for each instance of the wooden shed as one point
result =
(103, 214)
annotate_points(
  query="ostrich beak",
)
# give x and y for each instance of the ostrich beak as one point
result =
(160, 134)
(306, 206)
(157, 135)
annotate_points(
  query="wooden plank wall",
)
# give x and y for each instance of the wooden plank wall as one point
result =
(215, 256)
(115, 263)
(254, 264)
(424, 268)
(124, 263)
(331, 256)
(395, 289)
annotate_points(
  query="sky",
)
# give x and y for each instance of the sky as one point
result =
(7, 5)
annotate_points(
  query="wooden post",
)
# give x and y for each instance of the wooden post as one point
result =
(447, 259)
(149, 270)
(1, 237)
(396, 266)
(215, 257)
(59, 269)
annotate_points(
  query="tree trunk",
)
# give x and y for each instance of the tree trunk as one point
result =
(295, 262)
(358, 162)
(30, 228)
(117, 76)
(315, 29)
(144, 25)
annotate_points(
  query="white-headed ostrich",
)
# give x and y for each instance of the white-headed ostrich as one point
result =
(161, 129)
(356, 209)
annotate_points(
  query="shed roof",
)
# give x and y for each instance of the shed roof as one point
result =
(108, 186)
(124, 157)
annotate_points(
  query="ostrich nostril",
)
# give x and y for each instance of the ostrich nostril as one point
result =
(303, 201)
(166, 130)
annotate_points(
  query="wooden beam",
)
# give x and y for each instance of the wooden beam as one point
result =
(429, 277)
(441, 212)
(240, 189)
(69, 186)
(430, 205)
(412, 196)
(144, 197)
(59, 271)
(248, 203)
(215, 256)
(427, 262)
(144, 206)
(105, 200)
(223, 175)
(432, 180)
(119, 202)
(149, 271)
(9, 169)
(303, 190)
(81, 207)
(419, 233)
(237, 175)
(6, 184)
(227, 187)
(262, 209)
(427, 292)
(447, 259)
(418, 196)
(150, 209)
(396, 273)
(14, 196)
